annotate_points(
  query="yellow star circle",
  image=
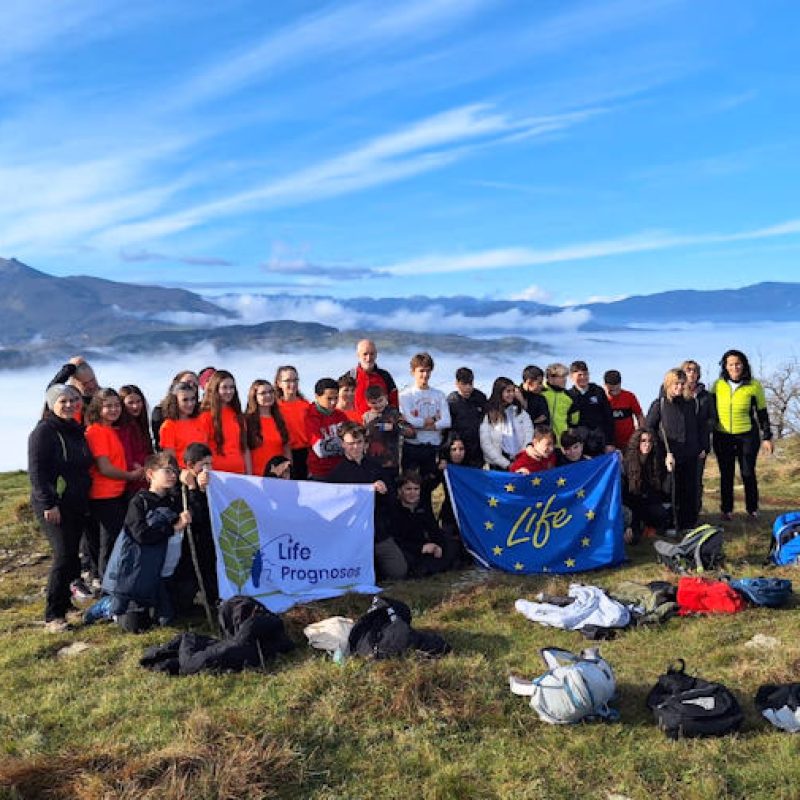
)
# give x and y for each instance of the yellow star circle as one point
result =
(497, 550)
(590, 514)
(493, 502)
(570, 562)
(561, 482)
(519, 566)
(489, 525)
(509, 487)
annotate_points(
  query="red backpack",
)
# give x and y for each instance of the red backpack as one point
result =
(706, 596)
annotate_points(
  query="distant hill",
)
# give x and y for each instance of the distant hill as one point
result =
(42, 308)
(775, 302)
(46, 318)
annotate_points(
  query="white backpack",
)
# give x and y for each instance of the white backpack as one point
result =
(575, 688)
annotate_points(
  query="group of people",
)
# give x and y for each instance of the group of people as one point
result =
(101, 463)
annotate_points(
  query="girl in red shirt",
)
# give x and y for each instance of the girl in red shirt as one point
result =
(293, 407)
(109, 474)
(221, 413)
(181, 426)
(267, 435)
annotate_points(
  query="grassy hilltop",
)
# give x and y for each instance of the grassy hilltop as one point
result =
(96, 725)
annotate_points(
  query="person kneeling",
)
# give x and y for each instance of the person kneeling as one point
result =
(412, 527)
(147, 552)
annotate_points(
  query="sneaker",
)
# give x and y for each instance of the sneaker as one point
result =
(100, 611)
(671, 533)
(58, 625)
(752, 514)
(80, 590)
(726, 516)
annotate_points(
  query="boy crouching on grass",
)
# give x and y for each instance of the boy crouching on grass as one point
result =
(147, 551)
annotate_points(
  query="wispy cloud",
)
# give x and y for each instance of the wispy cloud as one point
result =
(337, 31)
(423, 146)
(513, 257)
(140, 256)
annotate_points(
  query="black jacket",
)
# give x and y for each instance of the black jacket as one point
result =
(680, 421)
(538, 410)
(593, 410)
(466, 415)
(413, 529)
(57, 449)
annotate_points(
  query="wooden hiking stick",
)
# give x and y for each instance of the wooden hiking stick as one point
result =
(196, 562)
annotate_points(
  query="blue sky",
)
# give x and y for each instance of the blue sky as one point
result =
(558, 151)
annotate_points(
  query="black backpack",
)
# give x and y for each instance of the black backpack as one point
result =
(687, 706)
(385, 632)
(700, 550)
(236, 610)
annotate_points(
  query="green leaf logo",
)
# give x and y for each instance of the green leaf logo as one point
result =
(238, 541)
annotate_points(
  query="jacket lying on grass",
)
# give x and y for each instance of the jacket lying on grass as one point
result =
(253, 635)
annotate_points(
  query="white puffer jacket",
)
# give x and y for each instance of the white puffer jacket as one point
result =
(491, 434)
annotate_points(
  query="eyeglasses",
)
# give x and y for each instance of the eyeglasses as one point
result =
(289, 380)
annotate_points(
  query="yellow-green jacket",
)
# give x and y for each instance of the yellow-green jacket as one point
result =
(742, 409)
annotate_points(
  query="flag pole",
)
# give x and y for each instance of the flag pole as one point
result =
(196, 562)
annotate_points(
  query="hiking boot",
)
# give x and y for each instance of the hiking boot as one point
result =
(58, 625)
(726, 516)
(80, 590)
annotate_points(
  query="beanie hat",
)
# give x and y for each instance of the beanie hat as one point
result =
(56, 391)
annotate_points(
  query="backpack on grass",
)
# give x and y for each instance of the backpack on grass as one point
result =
(700, 550)
(688, 707)
(785, 545)
(770, 592)
(575, 688)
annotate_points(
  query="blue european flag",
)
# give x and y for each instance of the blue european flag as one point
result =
(563, 520)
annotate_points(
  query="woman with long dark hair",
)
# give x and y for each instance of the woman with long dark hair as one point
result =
(507, 427)
(643, 485)
(134, 431)
(110, 475)
(741, 424)
(221, 414)
(58, 467)
(267, 435)
(185, 376)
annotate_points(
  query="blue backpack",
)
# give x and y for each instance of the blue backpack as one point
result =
(770, 592)
(785, 547)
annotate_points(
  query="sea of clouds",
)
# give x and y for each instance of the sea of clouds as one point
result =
(641, 355)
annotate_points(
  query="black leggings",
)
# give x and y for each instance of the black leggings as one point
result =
(109, 514)
(64, 539)
(730, 448)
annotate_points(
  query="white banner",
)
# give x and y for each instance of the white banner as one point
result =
(287, 542)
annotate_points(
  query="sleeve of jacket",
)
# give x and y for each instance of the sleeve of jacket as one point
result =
(526, 426)
(42, 467)
(490, 445)
(608, 418)
(761, 411)
(63, 375)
